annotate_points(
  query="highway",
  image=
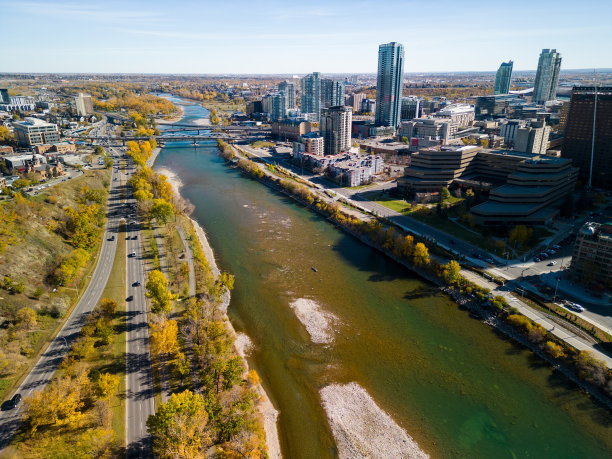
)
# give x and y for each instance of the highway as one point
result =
(48, 362)
(140, 397)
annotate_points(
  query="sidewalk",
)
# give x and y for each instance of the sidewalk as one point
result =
(559, 331)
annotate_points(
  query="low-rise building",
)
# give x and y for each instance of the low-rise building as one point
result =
(32, 131)
(592, 257)
(19, 163)
(533, 193)
(310, 143)
(457, 114)
(288, 129)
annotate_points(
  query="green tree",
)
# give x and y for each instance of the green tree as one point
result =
(157, 290)
(161, 210)
(180, 427)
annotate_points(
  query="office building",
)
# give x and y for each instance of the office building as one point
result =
(578, 141)
(332, 93)
(5, 98)
(532, 194)
(547, 76)
(335, 128)
(33, 131)
(524, 188)
(410, 108)
(290, 90)
(389, 84)
(533, 138)
(356, 100)
(311, 95)
(457, 114)
(84, 105)
(422, 128)
(592, 257)
(508, 130)
(255, 106)
(502, 78)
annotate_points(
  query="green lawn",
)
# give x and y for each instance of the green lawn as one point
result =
(115, 289)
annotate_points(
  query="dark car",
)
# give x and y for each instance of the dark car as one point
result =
(12, 403)
(112, 238)
(135, 237)
(136, 284)
(129, 298)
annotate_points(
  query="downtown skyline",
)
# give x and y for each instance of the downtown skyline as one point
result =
(191, 38)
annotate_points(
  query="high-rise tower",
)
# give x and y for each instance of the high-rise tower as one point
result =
(288, 87)
(547, 76)
(389, 84)
(502, 79)
(311, 93)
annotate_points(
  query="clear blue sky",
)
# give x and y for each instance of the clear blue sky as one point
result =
(290, 36)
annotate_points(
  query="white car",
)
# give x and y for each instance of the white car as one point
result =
(575, 307)
(552, 263)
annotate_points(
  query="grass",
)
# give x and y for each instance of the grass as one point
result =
(115, 289)
(224, 107)
(262, 144)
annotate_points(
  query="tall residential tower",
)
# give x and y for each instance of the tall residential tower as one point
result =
(502, 79)
(335, 128)
(547, 76)
(389, 84)
(311, 94)
(288, 87)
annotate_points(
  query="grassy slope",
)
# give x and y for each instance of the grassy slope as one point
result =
(30, 260)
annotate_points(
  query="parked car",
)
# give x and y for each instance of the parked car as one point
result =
(552, 263)
(536, 259)
(575, 307)
(556, 247)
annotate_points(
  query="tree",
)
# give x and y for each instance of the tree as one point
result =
(20, 183)
(164, 337)
(108, 307)
(157, 290)
(107, 385)
(181, 365)
(70, 267)
(553, 350)
(451, 271)
(420, 254)
(444, 194)
(180, 427)
(26, 318)
(161, 210)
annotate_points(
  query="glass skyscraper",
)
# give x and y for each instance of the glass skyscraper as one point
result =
(389, 84)
(311, 93)
(502, 79)
(332, 93)
(547, 76)
(288, 87)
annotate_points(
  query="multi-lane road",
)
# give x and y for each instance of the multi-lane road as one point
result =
(140, 397)
(48, 362)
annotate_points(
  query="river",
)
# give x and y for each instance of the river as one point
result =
(456, 386)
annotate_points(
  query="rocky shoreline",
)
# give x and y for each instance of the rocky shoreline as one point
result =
(264, 406)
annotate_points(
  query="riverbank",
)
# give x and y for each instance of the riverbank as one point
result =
(178, 117)
(586, 371)
(264, 405)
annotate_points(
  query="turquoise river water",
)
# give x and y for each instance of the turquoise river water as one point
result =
(458, 387)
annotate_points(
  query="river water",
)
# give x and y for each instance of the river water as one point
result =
(456, 386)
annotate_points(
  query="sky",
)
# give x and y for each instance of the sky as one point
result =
(297, 37)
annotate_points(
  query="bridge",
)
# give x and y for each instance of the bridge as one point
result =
(161, 139)
(198, 128)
